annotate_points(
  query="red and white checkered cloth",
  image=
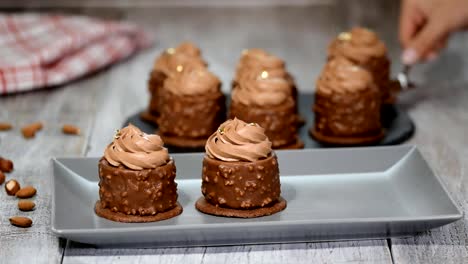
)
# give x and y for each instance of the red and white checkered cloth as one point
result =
(37, 51)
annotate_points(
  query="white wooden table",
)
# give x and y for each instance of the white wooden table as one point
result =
(100, 103)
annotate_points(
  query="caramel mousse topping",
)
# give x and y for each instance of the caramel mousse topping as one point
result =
(342, 76)
(194, 81)
(136, 150)
(236, 140)
(254, 61)
(186, 55)
(360, 45)
(187, 48)
(264, 91)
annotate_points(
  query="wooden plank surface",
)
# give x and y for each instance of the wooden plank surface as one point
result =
(371, 251)
(101, 103)
(31, 158)
(156, 3)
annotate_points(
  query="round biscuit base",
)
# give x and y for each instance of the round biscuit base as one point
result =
(183, 142)
(349, 141)
(205, 207)
(121, 217)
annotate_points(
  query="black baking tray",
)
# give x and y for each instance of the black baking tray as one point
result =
(397, 123)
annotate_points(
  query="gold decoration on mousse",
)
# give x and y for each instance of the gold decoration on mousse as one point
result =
(264, 74)
(344, 36)
(179, 68)
(170, 51)
(252, 124)
(221, 130)
(117, 134)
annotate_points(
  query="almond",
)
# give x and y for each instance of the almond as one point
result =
(26, 192)
(70, 130)
(26, 205)
(29, 131)
(5, 126)
(2, 177)
(11, 187)
(21, 221)
(6, 165)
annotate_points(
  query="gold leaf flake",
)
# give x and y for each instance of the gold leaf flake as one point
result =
(117, 134)
(344, 36)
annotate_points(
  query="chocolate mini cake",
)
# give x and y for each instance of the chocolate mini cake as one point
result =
(193, 107)
(240, 176)
(347, 105)
(268, 102)
(186, 55)
(364, 48)
(136, 179)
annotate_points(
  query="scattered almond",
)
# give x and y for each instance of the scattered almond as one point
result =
(2, 178)
(12, 187)
(26, 192)
(5, 126)
(21, 221)
(6, 165)
(70, 130)
(26, 205)
(29, 131)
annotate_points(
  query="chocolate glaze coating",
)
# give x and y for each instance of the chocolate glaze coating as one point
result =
(348, 114)
(143, 193)
(192, 117)
(155, 84)
(241, 185)
(380, 69)
(280, 122)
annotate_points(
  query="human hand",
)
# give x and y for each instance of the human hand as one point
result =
(426, 25)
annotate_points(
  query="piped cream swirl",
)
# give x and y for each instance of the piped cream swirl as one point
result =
(262, 91)
(186, 55)
(236, 140)
(254, 61)
(193, 81)
(359, 44)
(341, 75)
(187, 48)
(136, 150)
